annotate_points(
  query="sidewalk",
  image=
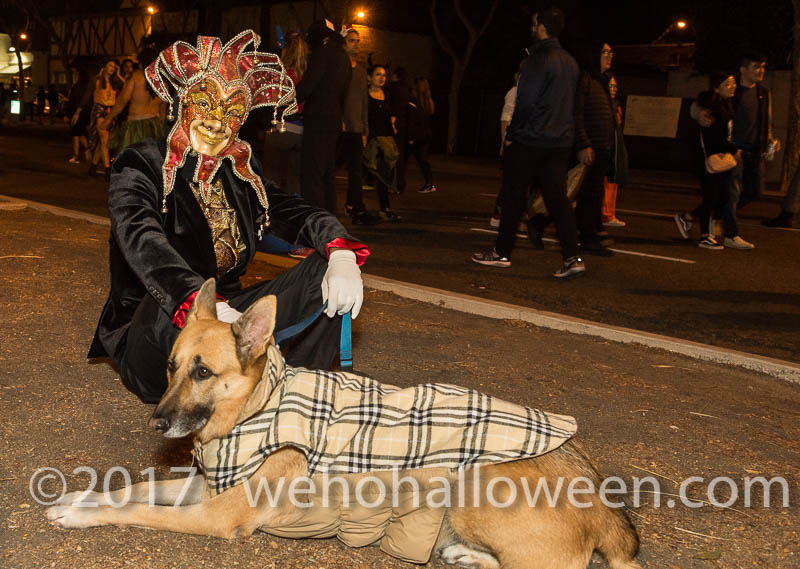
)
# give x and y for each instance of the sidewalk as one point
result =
(641, 412)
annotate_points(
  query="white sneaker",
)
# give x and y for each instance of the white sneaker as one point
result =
(738, 243)
(614, 222)
(494, 221)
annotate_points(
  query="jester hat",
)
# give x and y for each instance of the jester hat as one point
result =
(260, 75)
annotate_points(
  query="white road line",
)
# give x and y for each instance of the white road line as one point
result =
(622, 251)
(671, 215)
(494, 195)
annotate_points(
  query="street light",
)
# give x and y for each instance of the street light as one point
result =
(361, 14)
(151, 10)
(676, 25)
(23, 36)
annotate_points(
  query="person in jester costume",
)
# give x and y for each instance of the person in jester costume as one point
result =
(194, 206)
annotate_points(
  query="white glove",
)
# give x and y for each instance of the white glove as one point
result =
(341, 285)
(225, 313)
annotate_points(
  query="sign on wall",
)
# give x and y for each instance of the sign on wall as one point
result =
(652, 116)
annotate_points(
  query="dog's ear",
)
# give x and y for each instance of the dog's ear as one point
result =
(205, 303)
(254, 329)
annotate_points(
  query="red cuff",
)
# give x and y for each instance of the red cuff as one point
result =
(361, 250)
(183, 310)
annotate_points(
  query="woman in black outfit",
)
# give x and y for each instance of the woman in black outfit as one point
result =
(421, 108)
(716, 188)
(381, 153)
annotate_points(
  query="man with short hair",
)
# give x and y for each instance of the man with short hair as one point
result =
(538, 144)
(752, 126)
(355, 126)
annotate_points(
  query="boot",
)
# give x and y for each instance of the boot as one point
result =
(92, 170)
(783, 219)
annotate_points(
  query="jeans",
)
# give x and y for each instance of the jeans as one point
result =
(589, 207)
(546, 168)
(750, 175)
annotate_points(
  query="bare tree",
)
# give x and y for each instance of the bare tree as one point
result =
(460, 57)
(791, 157)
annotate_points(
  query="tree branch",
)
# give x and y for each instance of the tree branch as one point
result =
(439, 36)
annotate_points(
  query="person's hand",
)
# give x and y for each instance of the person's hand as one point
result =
(586, 156)
(74, 119)
(705, 118)
(225, 313)
(364, 141)
(777, 144)
(341, 285)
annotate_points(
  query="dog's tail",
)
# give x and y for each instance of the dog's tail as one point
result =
(618, 540)
(616, 537)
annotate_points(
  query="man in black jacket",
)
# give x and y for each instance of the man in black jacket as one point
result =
(538, 144)
(323, 90)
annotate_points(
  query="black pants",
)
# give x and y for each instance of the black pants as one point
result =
(142, 358)
(317, 166)
(715, 188)
(353, 150)
(419, 149)
(401, 138)
(589, 204)
(546, 168)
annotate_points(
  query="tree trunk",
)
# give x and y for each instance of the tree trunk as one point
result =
(791, 156)
(21, 79)
(453, 98)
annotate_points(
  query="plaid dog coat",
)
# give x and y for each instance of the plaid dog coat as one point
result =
(346, 423)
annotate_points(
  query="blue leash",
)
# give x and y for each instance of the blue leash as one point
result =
(345, 340)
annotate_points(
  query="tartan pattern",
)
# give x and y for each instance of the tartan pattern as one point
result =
(348, 423)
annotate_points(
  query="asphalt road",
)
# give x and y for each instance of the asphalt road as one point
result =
(658, 282)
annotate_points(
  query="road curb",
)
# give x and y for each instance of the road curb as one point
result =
(781, 369)
(55, 210)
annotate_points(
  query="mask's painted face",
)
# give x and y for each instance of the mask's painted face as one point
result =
(212, 117)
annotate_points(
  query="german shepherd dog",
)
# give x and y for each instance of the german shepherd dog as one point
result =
(213, 370)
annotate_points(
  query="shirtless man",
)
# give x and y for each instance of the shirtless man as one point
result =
(145, 110)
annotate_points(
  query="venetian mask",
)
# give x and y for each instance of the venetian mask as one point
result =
(212, 116)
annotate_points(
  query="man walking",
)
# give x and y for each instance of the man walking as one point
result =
(538, 144)
(355, 125)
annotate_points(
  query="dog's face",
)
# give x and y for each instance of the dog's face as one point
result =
(213, 369)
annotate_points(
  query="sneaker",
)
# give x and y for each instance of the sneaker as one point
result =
(427, 189)
(495, 221)
(709, 242)
(571, 267)
(490, 258)
(389, 215)
(684, 225)
(74, 160)
(301, 252)
(738, 243)
(614, 222)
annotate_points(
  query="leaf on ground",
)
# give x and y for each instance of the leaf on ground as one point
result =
(709, 555)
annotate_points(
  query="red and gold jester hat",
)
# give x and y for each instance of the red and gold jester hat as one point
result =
(223, 83)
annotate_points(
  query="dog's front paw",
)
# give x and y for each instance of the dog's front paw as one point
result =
(71, 517)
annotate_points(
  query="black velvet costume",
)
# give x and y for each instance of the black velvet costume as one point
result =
(158, 260)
